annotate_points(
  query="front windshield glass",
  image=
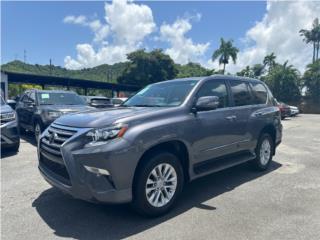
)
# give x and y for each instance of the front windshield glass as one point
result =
(168, 94)
(56, 98)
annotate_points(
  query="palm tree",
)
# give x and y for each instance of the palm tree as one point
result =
(225, 52)
(313, 36)
(269, 60)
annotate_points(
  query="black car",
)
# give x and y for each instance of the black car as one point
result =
(98, 101)
(9, 129)
(37, 109)
(169, 133)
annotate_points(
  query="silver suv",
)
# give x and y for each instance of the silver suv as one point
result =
(167, 134)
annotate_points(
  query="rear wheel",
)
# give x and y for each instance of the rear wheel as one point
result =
(264, 152)
(158, 183)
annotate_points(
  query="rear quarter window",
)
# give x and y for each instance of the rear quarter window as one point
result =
(259, 92)
(240, 92)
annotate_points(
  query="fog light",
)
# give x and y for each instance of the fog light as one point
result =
(97, 171)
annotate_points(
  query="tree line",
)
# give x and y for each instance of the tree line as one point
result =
(284, 80)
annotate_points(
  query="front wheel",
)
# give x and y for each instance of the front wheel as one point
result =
(158, 183)
(264, 152)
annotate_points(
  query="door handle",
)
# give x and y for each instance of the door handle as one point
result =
(231, 118)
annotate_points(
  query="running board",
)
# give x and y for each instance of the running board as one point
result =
(218, 164)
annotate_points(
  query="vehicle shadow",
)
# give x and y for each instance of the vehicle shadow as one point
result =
(28, 137)
(4, 153)
(81, 220)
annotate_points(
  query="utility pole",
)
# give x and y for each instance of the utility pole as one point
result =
(50, 67)
(24, 56)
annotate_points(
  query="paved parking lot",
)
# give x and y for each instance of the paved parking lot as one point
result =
(283, 203)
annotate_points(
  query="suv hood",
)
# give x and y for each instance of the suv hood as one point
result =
(102, 118)
(5, 109)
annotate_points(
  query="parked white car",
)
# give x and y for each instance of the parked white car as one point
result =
(294, 111)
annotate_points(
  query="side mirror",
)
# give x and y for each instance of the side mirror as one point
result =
(207, 103)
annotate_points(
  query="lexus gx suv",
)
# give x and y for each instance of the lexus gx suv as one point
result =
(169, 133)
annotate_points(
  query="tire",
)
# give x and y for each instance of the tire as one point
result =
(170, 190)
(264, 152)
(37, 130)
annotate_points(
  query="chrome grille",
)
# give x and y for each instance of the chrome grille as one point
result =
(55, 137)
(50, 151)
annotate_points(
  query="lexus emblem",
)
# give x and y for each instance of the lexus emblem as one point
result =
(52, 137)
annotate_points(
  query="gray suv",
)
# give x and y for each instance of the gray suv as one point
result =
(167, 134)
(37, 109)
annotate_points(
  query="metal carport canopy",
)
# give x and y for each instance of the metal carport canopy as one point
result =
(64, 81)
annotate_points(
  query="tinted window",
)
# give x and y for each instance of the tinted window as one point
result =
(240, 92)
(215, 88)
(32, 96)
(25, 97)
(260, 94)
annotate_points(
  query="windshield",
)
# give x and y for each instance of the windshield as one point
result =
(168, 94)
(56, 98)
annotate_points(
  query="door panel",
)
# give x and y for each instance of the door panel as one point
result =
(213, 133)
(242, 101)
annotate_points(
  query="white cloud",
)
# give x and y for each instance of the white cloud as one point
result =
(75, 19)
(278, 32)
(182, 49)
(126, 23)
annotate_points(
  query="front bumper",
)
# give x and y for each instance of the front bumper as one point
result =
(9, 134)
(69, 173)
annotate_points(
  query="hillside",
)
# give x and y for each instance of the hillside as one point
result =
(105, 72)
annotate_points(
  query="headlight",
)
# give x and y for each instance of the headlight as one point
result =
(54, 114)
(102, 135)
(7, 117)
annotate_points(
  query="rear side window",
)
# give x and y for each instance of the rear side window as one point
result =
(215, 88)
(259, 93)
(241, 94)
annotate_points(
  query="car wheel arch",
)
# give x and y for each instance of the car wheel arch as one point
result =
(270, 129)
(176, 147)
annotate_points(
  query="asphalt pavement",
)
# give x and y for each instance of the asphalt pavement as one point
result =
(238, 203)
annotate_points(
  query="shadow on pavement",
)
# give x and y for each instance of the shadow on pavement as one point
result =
(4, 153)
(28, 137)
(73, 218)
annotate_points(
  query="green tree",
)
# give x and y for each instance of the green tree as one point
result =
(283, 81)
(246, 72)
(192, 70)
(225, 52)
(311, 79)
(257, 70)
(148, 67)
(313, 36)
(269, 61)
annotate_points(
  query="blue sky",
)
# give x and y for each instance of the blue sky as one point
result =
(42, 30)
(38, 27)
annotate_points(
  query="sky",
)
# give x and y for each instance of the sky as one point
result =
(78, 35)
